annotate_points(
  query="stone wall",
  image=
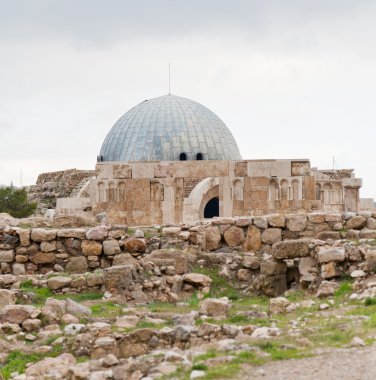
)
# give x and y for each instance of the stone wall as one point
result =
(265, 254)
(53, 185)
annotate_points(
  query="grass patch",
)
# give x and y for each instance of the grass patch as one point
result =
(159, 307)
(222, 371)
(18, 360)
(200, 367)
(370, 301)
(84, 296)
(106, 310)
(220, 287)
(193, 301)
(149, 325)
(344, 289)
(41, 294)
(208, 355)
(278, 353)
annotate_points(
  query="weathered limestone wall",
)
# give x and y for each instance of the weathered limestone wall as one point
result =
(53, 185)
(145, 193)
(267, 253)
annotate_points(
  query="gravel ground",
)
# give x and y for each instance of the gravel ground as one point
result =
(343, 364)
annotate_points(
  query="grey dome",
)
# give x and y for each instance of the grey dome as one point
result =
(162, 128)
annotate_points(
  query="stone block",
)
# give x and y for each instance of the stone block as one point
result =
(327, 253)
(118, 278)
(77, 265)
(316, 218)
(6, 256)
(356, 223)
(97, 233)
(253, 239)
(371, 223)
(296, 223)
(273, 267)
(43, 234)
(43, 258)
(212, 238)
(325, 235)
(48, 246)
(233, 236)
(6, 298)
(111, 247)
(290, 249)
(367, 234)
(276, 221)
(333, 218)
(77, 233)
(18, 269)
(24, 235)
(179, 259)
(330, 270)
(135, 245)
(198, 280)
(91, 248)
(215, 307)
(58, 282)
(251, 262)
(370, 265)
(73, 246)
(16, 313)
(260, 221)
(271, 235)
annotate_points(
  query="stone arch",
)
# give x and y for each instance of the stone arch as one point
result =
(295, 190)
(273, 190)
(111, 192)
(237, 193)
(327, 193)
(318, 192)
(122, 192)
(101, 192)
(284, 190)
(201, 194)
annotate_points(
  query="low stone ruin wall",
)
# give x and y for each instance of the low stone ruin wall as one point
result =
(53, 185)
(261, 254)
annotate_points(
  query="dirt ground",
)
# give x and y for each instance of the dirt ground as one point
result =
(343, 364)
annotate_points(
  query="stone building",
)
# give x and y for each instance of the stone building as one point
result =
(172, 160)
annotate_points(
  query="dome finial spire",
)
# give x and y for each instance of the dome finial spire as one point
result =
(169, 78)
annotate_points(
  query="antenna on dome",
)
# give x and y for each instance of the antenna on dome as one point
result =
(169, 78)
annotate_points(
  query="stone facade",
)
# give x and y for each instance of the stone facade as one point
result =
(147, 193)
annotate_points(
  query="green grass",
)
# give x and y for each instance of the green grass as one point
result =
(370, 301)
(278, 352)
(18, 360)
(147, 325)
(344, 289)
(41, 294)
(200, 367)
(220, 287)
(208, 355)
(106, 310)
(222, 371)
(194, 301)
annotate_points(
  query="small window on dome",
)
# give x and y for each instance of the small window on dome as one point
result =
(199, 156)
(183, 157)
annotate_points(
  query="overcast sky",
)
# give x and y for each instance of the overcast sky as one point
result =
(291, 79)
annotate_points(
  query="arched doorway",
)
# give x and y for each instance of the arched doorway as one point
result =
(212, 208)
(199, 197)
